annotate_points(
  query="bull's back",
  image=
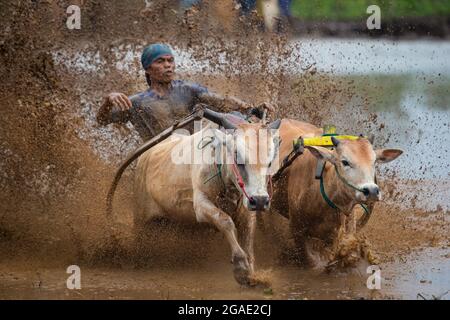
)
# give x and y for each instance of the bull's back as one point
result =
(291, 130)
(162, 180)
(306, 206)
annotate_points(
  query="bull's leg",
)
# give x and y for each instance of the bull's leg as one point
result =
(350, 250)
(247, 227)
(206, 211)
(313, 240)
(144, 211)
(299, 235)
(364, 252)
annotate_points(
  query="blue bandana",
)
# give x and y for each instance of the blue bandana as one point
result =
(153, 52)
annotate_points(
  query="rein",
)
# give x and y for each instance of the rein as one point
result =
(242, 184)
(237, 175)
(240, 181)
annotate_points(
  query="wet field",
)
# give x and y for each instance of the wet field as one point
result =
(52, 212)
(420, 275)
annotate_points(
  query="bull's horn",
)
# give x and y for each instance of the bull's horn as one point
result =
(275, 124)
(227, 124)
(213, 116)
(335, 141)
(371, 138)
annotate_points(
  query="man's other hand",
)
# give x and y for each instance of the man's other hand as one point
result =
(267, 106)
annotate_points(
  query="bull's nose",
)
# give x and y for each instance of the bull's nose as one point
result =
(371, 191)
(259, 203)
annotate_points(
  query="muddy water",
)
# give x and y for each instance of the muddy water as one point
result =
(406, 85)
(421, 275)
(407, 88)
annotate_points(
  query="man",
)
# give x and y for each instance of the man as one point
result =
(166, 100)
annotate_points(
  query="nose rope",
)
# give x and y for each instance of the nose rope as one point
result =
(365, 208)
(348, 184)
(329, 201)
(240, 181)
(236, 173)
(242, 184)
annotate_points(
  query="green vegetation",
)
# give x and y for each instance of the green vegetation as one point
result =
(347, 10)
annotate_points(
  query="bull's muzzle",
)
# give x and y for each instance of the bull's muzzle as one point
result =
(371, 192)
(258, 203)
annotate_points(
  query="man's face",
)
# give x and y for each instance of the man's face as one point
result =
(162, 69)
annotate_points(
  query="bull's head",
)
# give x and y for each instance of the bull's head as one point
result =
(355, 163)
(251, 151)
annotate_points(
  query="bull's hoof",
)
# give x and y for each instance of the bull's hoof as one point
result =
(241, 271)
(242, 277)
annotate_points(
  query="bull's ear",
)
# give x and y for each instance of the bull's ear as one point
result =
(322, 153)
(387, 155)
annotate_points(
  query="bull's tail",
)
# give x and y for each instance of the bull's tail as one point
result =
(112, 189)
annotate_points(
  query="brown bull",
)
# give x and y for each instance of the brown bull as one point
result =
(324, 235)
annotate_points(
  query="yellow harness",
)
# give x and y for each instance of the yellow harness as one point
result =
(325, 140)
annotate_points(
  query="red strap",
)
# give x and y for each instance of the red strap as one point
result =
(240, 180)
(242, 184)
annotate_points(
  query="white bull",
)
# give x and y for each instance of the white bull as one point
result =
(168, 186)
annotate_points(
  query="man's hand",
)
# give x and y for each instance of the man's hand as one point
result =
(259, 110)
(113, 99)
(270, 108)
(120, 100)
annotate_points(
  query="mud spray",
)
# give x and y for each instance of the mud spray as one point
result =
(56, 164)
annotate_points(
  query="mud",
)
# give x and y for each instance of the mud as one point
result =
(56, 163)
(407, 271)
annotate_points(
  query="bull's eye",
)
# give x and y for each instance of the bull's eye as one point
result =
(345, 163)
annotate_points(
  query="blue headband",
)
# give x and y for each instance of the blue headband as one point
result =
(153, 52)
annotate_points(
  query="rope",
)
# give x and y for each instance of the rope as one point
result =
(218, 173)
(330, 202)
(324, 195)
(346, 182)
(218, 165)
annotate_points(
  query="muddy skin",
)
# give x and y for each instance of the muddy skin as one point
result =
(56, 164)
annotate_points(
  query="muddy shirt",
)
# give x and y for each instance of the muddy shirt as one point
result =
(150, 113)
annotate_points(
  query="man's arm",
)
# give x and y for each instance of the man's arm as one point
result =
(115, 108)
(223, 103)
(227, 104)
